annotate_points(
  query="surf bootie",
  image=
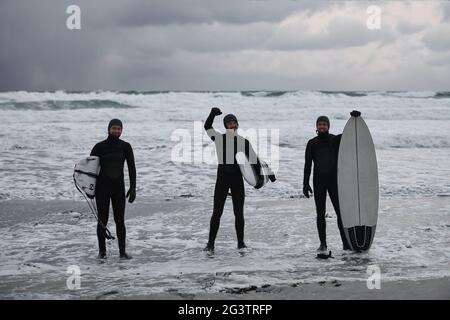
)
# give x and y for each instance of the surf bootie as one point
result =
(241, 245)
(125, 256)
(209, 247)
(101, 255)
(322, 248)
(324, 255)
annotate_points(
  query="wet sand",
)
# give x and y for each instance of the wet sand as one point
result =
(40, 239)
(433, 289)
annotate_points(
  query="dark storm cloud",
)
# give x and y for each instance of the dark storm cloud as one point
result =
(38, 52)
(163, 12)
(186, 44)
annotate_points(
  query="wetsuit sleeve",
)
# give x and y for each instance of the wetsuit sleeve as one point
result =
(250, 153)
(336, 144)
(308, 163)
(95, 151)
(212, 133)
(337, 141)
(129, 156)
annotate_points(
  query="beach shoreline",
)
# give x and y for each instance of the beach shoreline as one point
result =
(43, 237)
(429, 289)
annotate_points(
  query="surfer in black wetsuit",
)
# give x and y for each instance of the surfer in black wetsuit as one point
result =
(229, 176)
(323, 151)
(110, 187)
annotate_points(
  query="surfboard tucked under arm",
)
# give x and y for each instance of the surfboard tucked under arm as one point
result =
(256, 174)
(85, 175)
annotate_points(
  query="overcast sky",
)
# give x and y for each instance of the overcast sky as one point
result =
(224, 45)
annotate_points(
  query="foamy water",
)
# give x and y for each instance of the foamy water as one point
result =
(45, 134)
(410, 243)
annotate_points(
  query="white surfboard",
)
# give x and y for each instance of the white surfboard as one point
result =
(85, 175)
(256, 176)
(358, 184)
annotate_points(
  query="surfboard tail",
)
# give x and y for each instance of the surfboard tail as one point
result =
(360, 238)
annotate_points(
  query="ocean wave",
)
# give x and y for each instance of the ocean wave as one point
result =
(393, 94)
(273, 94)
(419, 145)
(442, 95)
(414, 143)
(34, 96)
(408, 94)
(346, 93)
(137, 98)
(411, 94)
(134, 92)
(63, 105)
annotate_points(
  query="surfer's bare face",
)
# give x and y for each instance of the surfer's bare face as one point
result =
(115, 131)
(322, 126)
(232, 125)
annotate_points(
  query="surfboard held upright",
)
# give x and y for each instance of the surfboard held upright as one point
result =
(358, 188)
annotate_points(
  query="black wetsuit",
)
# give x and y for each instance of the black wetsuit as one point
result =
(110, 187)
(323, 150)
(229, 177)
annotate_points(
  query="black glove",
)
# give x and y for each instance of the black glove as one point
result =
(355, 113)
(131, 194)
(306, 190)
(216, 111)
(272, 178)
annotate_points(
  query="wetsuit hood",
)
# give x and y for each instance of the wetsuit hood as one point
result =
(323, 119)
(228, 118)
(115, 122)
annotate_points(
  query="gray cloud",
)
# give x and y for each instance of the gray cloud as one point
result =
(446, 11)
(201, 45)
(407, 27)
(342, 32)
(438, 37)
(163, 12)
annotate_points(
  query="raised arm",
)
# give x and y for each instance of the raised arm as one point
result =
(250, 153)
(209, 121)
